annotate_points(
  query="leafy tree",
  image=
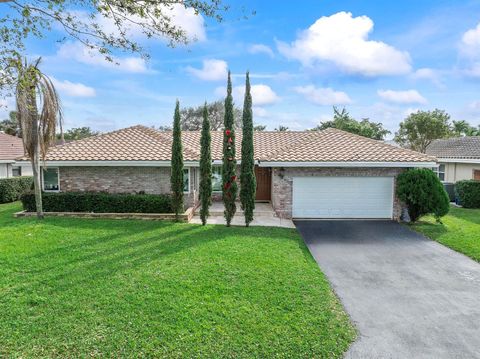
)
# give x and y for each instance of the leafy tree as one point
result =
(229, 176)
(259, 128)
(39, 113)
(176, 179)
(79, 133)
(248, 183)
(192, 117)
(164, 128)
(343, 121)
(419, 129)
(11, 126)
(423, 193)
(205, 192)
(281, 128)
(463, 128)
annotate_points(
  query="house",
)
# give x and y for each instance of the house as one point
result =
(309, 174)
(458, 158)
(11, 147)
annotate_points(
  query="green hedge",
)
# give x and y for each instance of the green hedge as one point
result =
(99, 202)
(468, 193)
(12, 188)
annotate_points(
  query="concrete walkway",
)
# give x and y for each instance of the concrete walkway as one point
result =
(409, 297)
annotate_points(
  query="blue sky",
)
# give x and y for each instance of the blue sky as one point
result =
(379, 59)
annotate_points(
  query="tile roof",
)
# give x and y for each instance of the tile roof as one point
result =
(458, 147)
(11, 147)
(140, 143)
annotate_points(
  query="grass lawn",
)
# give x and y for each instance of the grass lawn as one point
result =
(460, 230)
(78, 288)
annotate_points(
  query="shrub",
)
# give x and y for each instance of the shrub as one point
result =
(99, 202)
(12, 188)
(468, 192)
(423, 193)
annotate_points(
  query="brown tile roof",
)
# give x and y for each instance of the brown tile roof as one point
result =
(11, 147)
(459, 147)
(140, 143)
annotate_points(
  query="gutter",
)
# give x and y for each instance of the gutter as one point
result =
(348, 164)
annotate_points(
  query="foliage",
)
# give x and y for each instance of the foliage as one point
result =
(205, 191)
(248, 182)
(11, 126)
(12, 188)
(107, 288)
(79, 133)
(463, 128)
(176, 178)
(343, 121)
(423, 193)
(229, 175)
(419, 129)
(98, 202)
(192, 117)
(259, 128)
(468, 192)
(281, 128)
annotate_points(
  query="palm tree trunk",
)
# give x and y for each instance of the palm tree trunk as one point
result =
(32, 106)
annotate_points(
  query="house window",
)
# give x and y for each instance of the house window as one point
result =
(440, 171)
(186, 180)
(217, 179)
(51, 179)
(16, 171)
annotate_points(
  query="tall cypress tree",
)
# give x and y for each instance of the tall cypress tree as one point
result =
(205, 192)
(247, 175)
(229, 176)
(176, 178)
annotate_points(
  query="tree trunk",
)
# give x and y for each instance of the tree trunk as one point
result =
(32, 105)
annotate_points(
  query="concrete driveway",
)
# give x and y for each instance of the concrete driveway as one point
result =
(408, 296)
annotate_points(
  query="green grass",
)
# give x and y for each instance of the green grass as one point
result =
(106, 288)
(460, 230)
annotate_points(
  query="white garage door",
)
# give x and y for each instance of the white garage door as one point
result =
(342, 197)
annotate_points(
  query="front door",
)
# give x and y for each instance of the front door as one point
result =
(263, 175)
(476, 175)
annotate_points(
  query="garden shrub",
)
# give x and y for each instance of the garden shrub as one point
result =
(12, 188)
(423, 193)
(468, 193)
(95, 202)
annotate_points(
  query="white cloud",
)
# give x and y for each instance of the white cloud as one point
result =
(343, 40)
(212, 70)
(78, 52)
(259, 112)
(402, 97)
(262, 95)
(261, 49)
(323, 95)
(470, 52)
(73, 89)
(430, 75)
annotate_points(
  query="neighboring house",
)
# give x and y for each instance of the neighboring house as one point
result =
(310, 174)
(458, 158)
(11, 147)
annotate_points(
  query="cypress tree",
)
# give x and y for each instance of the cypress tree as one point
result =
(176, 178)
(229, 176)
(247, 175)
(205, 192)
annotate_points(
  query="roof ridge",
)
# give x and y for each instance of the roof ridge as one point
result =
(295, 143)
(192, 152)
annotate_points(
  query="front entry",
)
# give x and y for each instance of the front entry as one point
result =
(263, 176)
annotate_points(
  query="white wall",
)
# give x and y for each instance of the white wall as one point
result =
(459, 171)
(3, 170)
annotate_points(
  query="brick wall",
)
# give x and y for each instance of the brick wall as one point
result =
(151, 180)
(282, 179)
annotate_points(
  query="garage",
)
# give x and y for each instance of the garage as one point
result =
(343, 197)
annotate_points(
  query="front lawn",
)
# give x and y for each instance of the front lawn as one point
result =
(109, 288)
(460, 230)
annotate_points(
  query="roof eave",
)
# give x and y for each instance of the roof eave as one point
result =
(346, 164)
(458, 160)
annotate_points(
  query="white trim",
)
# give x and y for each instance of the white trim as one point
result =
(7, 161)
(58, 177)
(459, 160)
(116, 163)
(348, 164)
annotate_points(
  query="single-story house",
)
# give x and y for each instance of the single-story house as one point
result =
(11, 147)
(309, 174)
(458, 158)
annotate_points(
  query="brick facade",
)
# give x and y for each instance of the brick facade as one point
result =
(282, 179)
(151, 180)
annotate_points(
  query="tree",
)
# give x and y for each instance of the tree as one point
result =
(205, 192)
(343, 121)
(79, 133)
(419, 129)
(39, 113)
(11, 126)
(248, 182)
(259, 128)
(192, 117)
(463, 128)
(281, 128)
(176, 179)
(229, 176)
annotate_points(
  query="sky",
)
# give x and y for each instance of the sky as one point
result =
(381, 60)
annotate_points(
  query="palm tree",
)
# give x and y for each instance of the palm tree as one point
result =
(39, 113)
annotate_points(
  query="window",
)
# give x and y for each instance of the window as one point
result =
(440, 171)
(51, 179)
(186, 180)
(217, 179)
(16, 171)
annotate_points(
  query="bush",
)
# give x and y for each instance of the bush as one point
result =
(468, 192)
(423, 193)
(12, 188)
(99, 202)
